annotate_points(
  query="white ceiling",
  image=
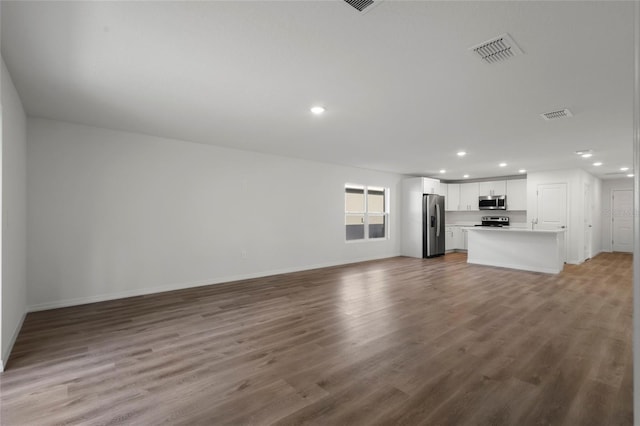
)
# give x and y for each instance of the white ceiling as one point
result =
(403, 93)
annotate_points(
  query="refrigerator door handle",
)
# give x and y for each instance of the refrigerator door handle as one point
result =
(438, 220)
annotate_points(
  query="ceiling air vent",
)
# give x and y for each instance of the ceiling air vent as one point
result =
(363, 5)
(552, 115)
(497, 49)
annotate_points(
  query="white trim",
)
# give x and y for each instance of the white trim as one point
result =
(366, 214)
(16, 332)
(611, 195)
(636, 209)
(181, 286)
(517, 266)
(368, 240)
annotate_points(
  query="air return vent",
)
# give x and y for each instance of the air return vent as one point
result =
(497, 49)
(363, 5)
(553, 115)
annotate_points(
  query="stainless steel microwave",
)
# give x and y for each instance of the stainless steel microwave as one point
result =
(492, 202)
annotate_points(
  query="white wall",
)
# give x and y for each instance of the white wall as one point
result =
(14, 210)
(575, 180)
(608, 186)
(113, 214)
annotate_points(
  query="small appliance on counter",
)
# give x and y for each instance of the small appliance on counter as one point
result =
(492, 202)
(496, 221)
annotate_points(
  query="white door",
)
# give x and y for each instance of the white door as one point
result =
(552, 206)
(622, 220)
(588, 225)
(552, 209)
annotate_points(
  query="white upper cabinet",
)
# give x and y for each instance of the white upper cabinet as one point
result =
(452, 200)
(464, 196)
(443, 191)
(430, 186)
(469, 193)
(494, 187)
(517, 194)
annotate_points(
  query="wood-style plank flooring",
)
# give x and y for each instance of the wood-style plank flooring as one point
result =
(397, 341)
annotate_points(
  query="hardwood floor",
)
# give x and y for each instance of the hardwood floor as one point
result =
(397, 341)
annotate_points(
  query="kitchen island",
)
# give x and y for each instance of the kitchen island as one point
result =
(539, 250)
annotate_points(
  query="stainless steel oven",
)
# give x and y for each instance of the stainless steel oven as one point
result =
(492, 202)
(497, 221)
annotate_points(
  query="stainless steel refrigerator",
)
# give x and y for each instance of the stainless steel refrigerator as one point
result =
(432, 225)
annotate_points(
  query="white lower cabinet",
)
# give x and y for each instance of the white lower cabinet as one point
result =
(449, 242)
(455, 238)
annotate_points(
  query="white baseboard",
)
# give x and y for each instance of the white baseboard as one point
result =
(516, 266)
(181, 286)
(14, 337)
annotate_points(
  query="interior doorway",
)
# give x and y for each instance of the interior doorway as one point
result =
(552, 209)
(622, 220)
(588, 222)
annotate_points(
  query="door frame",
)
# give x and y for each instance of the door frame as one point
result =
(611, 193)
(588, 225)
(568, 228)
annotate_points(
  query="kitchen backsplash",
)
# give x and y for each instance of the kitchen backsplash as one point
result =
(467, 217)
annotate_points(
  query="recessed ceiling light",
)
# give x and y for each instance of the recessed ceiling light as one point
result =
(461, 153)
(522, 171)
(630, 175)
(587, 155)
(465, 176)
(597, 164)
(317, 110)
(584, 151)
(502, 164)
(624, 169)
(443, 171)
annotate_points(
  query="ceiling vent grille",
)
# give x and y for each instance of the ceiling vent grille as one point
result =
(497, 49)
(552, 115)
(361, 5)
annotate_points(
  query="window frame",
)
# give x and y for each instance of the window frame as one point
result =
(366, 214)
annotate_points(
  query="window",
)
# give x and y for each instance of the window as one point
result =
(366, 212)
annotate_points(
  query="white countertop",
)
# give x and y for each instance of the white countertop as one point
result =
(462, 224)
(465, 224)
(513, 229)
